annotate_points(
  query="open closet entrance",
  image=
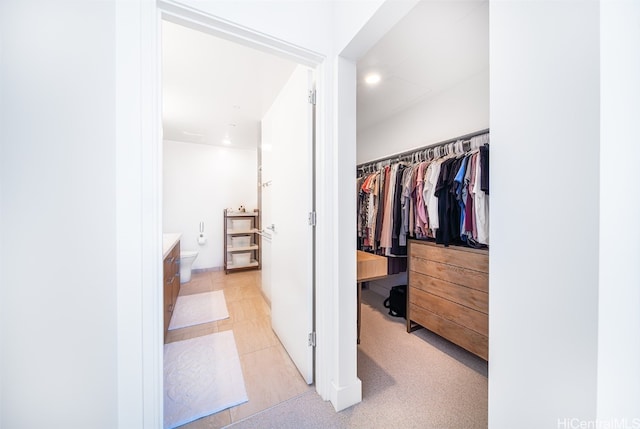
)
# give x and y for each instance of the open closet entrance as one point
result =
(239, 130)
(423, 98)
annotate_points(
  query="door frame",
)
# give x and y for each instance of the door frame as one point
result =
(139, 204)
(203, 22)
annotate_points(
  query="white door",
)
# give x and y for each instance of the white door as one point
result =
(265, 260)
(287, 134)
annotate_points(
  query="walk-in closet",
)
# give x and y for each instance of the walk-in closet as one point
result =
(422, 203)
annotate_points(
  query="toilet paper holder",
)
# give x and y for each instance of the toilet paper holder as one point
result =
(201, 238)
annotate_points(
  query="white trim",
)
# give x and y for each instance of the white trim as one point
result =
(151, 188)
(343, 397)
(201, 21)
(324, 314)
(346, 388)
(139, 319)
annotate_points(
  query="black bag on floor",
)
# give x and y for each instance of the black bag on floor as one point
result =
(397, 301)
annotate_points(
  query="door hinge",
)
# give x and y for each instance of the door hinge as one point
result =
(312, 97)
(312, 339)
(312, 218)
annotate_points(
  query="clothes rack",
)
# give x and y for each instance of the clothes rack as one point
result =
(458, 144)
(438, 192)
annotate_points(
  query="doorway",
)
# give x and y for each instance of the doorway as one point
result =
(234, 178)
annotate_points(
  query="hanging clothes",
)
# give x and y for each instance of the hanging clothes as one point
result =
(443, 198)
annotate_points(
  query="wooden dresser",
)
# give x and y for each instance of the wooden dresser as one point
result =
(448, 293)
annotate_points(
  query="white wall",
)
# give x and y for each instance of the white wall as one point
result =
(545, 204)
(456, 111)
(200, 181)
(58, 313)
(619, 292)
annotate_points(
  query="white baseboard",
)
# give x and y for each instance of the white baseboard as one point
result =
(346, 396)
(206, 270)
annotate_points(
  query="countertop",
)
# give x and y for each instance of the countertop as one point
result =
(168, 241)
(370, 266)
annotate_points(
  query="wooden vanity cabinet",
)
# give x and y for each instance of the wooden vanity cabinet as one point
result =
(171, 283)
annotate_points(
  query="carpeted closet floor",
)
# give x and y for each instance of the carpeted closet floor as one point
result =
(416, 380)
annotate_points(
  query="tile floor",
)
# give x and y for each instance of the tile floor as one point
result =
(269, 375)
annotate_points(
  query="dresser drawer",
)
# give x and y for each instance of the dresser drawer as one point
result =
(450, 273)
(472, 341)
(472, 298)
(461, 315)
(471, 259)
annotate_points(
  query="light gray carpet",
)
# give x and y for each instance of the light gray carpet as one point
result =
(416, 380)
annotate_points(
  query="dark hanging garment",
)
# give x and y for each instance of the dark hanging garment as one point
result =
(396, 265)
(454, 212)
(448, 207)
(484, 168)
(442, 192)
(396, 249)
(382, 196)
(362, 221)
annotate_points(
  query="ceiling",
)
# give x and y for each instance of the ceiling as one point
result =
(436, 46)
(213, 88)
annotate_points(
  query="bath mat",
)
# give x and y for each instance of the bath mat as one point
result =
(202, 376)
(199, 308)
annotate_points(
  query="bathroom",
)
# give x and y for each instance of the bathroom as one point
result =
(233, 118)
(200, 182)
(215, 94)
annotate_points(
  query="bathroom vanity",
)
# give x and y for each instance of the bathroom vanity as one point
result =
(171, 270)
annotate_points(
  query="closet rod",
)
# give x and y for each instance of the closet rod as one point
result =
(420, 149)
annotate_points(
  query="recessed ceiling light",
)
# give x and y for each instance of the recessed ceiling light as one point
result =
(188, 133)
(372, 78)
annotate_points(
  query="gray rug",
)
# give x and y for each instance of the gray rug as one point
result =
(202, 376)
(199, 308)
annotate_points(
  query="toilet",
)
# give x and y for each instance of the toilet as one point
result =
(186, 260)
